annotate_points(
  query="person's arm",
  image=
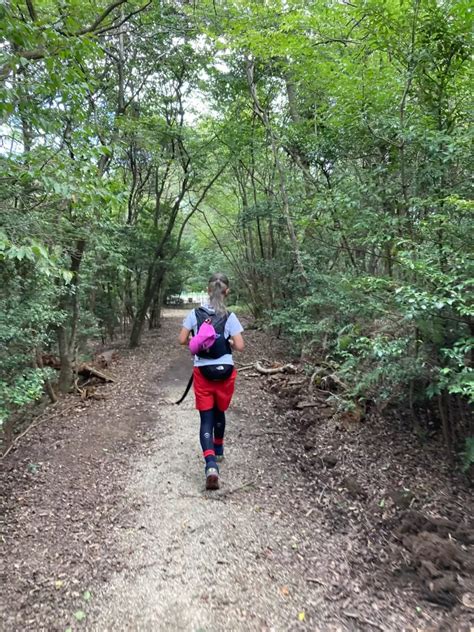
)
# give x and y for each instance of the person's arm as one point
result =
(235, 330)
(188, 326)
(237, 342)
(183, 336)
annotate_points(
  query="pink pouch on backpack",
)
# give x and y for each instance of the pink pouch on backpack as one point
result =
(204, 339)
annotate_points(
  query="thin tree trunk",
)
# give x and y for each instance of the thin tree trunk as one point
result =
(67, 339)
(152, 290)
(47, 384)
(155, 313)
(65, 372)
(281, 172)
(445, 424)
(76, 259)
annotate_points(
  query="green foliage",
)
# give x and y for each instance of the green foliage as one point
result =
(29, 290)
(100, 173)
(456, 376)
(366, 106)
(317, 153)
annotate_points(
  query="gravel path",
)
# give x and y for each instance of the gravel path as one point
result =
(202, 560)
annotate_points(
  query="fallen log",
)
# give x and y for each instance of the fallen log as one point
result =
(297, 382)
(246, 367)
(286, 368)
(88, 370)
(302, 405)
(333, 380)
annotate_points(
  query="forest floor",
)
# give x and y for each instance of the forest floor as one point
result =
(107, 525)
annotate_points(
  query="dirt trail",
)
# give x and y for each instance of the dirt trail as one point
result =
(204, 560)
(114, 530)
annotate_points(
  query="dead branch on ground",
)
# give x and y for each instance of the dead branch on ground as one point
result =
(286, 368)
(34, 425)
(87, 369)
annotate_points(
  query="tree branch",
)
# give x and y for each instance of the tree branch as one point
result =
(41, 53)
(93, 27)
(123, 20)
(31, 10)
(195, 206)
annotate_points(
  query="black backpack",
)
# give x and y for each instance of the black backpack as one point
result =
(222, 345)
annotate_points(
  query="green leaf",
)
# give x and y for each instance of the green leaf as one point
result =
(79, 615)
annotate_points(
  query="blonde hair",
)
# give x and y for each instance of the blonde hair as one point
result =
(218, 285)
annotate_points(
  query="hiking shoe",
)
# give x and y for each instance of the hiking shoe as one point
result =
(219, 458)
(212, 478)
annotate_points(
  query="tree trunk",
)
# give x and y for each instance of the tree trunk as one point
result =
(261, 112)
(67, 340)
(154, 321)
(152, 290)
(38, 360)
(76, 259)
(155, 317)
(65, 373)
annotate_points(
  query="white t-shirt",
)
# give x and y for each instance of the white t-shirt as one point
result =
(231, 328)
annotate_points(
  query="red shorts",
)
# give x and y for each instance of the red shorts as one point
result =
(209, 394)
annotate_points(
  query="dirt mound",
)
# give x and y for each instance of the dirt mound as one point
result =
(441, 562)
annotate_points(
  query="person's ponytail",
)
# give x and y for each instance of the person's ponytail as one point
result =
(218, 285)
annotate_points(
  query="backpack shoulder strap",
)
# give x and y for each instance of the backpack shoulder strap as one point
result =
(220, 321)
(201, 315)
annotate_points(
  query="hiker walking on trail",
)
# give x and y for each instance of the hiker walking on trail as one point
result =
(216, 333)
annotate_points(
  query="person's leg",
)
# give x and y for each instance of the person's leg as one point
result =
(205, 436)
(223, 397)
(219, 430)
(207, 444)
(203, 390)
